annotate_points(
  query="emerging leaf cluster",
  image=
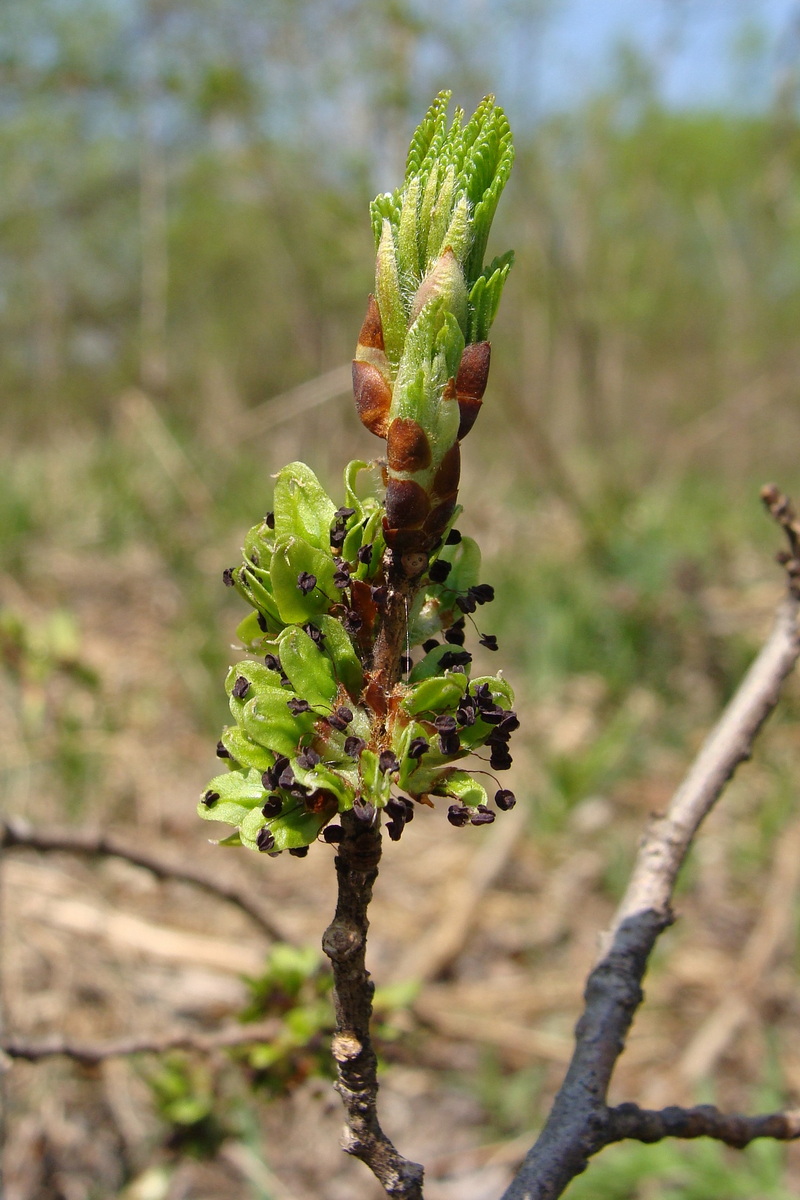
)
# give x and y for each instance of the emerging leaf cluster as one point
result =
(455, 174)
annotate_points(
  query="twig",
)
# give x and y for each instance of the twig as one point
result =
(95, 1052)
(345, 942)
(645, 1125)
(581, 1122)
(18, 834)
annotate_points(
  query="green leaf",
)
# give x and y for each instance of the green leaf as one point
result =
(439, 694)
(375, 785)
(303, 509)
(244, 751)
(461, 785)
(501, 690)
(269, 722)
(346, 663)
(428, 666)
(295, 827)
(371, 535)
(239, 792)
(389, 296)
(289, 561)
(309, 670)
(342, 784)
(351, 496)
(259, 676)
(250, 632)
(255, 585)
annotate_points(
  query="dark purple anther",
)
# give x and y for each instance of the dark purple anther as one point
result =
(210, 799)
(417, 747)
(272, 662)
(439, 570)
(388, 761)
(455, 658)
(297, 706)
(457, 815)
(431, 644)
(505, 799)
(500, 759)
(353, 746)
(270, 777)
(363, 809)
(272, 807)
(287, 779)
(227, 576)
(483, 816)
(364, 554)
(449, 743)
(488, 641)
(222, 752)
(299, 852)
(445, 723)
(453, 538)
(332, 834)
(241, 687)
(455, 636)
(352, 621)
(482, 593)
(308, 759)
(265, 839)
(306, 582)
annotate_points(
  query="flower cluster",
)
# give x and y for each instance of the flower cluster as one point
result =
(314, 735)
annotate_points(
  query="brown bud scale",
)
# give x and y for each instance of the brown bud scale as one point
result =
(373, 397)
(471, 380)
(372, 330)
(407, 504)
(437, 520)
(445, 481)
(407, 446)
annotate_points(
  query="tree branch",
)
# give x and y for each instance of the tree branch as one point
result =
(645, 1125)
(95, 1052)
(94, 844)
(345, 943)
(580, 1122)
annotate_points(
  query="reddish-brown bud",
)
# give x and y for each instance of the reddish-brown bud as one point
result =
(371, 334)
(373, 397)
(407, 445)
(445, 481)
(473, 374)
(407, 504)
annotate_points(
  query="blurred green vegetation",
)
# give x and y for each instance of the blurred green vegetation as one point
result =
(184, 239)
